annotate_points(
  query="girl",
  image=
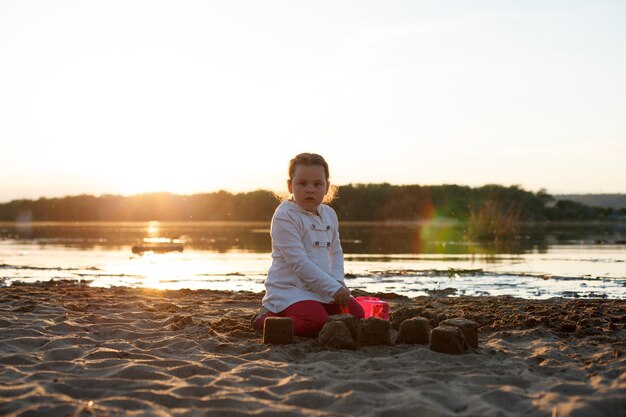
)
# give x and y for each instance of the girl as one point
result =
(306, 281)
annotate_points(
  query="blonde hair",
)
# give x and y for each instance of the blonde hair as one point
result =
(306, 158)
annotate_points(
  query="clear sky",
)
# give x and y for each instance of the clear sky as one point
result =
(122, 97)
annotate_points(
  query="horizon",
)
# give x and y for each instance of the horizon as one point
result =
(130, 97)
(279, 193)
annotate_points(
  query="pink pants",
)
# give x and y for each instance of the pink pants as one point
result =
(310, 316)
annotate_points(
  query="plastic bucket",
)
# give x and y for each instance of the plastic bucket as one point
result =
(374, 307)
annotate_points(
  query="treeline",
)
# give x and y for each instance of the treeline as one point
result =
(355, 202)
(413, 202)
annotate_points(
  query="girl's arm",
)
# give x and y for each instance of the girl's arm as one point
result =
(288, 242)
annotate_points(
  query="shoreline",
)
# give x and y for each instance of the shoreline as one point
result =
(70, 349)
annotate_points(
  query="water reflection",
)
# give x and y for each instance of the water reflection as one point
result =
(153, 229)
(409, 259)
(357, 238)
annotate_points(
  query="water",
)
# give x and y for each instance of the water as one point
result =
(406, 258)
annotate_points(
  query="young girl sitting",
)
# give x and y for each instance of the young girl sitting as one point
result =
(306, 279)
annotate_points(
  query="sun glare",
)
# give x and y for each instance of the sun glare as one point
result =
(158, 270)
(153, 228)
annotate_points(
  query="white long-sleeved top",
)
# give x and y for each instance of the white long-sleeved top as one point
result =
(307, 259)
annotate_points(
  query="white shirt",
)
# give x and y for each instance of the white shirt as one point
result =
(307, 259)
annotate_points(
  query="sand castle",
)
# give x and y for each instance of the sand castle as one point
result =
(454, 336)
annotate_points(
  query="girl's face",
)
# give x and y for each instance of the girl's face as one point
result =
(308, 186)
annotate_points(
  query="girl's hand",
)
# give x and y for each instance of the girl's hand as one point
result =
(342, 297)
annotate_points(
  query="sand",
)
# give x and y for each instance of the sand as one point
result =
(71, 350)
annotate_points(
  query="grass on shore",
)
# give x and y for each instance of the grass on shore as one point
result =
(494, 222)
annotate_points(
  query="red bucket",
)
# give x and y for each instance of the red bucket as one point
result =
(374, 307)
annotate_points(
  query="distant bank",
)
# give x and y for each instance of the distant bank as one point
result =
(614, 201)
(356, 202)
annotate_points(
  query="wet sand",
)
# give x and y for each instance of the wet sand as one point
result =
(71, 350)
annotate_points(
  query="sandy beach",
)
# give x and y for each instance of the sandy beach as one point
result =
(71, 350)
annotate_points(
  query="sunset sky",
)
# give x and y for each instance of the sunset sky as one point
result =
(123, 97)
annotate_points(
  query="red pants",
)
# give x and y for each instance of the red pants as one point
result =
(310, 316)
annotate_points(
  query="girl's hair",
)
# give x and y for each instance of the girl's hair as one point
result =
(313, 159)
(308, 159)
